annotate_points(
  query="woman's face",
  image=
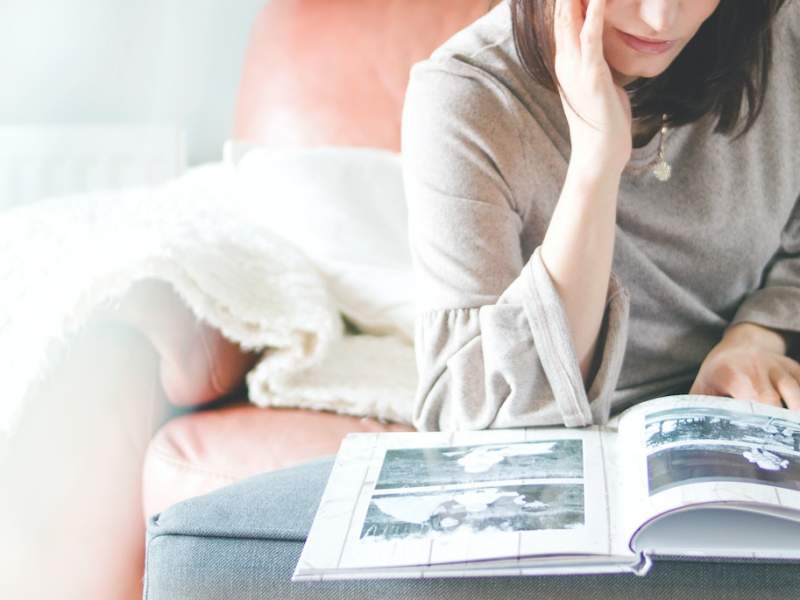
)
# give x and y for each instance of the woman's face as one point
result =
(673, 20)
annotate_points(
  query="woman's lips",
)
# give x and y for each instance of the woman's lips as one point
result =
(642, 45)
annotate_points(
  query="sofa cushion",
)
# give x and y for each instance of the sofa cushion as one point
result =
(199, 452)
(243, 542)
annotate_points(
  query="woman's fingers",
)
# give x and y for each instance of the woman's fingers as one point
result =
(787, 386)
(592, 32)
(598, 111)
(567, 27)
(765, 390)
(791, 365)
(578, 35)
(752, 385)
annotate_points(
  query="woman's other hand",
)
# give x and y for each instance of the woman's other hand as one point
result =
(602, 141)
(749, 363)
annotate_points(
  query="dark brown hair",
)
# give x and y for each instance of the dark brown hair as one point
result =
(728, 59)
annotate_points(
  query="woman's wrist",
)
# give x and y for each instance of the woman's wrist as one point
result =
(593, 180)
(752, 334)
(592, 167)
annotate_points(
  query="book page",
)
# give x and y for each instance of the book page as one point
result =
(712, 531)
(694, 449)
(423, 499)
(618, 495)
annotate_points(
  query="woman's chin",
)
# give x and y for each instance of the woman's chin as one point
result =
(641, 67)
(622, 79)
(624, 76)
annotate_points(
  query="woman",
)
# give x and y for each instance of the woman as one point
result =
(541, 238)
(559, 277)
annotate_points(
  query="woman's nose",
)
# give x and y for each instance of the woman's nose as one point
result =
(659, 15)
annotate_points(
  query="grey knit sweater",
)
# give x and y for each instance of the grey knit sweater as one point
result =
(485, 153)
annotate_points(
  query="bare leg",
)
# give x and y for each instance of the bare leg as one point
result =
(198, 364)
(70, 505)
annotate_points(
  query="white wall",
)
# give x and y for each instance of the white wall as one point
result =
(126, 61)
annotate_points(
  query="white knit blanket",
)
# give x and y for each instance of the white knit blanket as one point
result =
(63, 259)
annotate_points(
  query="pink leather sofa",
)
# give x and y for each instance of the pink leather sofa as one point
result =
(316, 73)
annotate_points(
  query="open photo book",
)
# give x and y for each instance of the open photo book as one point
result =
(675, 477)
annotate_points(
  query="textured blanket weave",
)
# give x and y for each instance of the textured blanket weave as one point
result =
(63, 259)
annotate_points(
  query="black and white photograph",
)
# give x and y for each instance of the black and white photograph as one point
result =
(695, 424)
(529, 507)
(685, 463)
(413, 467)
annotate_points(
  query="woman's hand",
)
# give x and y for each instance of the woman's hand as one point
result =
(749, 364)
(603, 141)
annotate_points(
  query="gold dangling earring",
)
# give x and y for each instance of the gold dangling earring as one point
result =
(662, 170)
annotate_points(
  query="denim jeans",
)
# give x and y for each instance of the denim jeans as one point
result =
(243, 541)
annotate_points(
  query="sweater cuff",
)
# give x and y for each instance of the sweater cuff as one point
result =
(550, 329)
(774, 307)
(612, 343)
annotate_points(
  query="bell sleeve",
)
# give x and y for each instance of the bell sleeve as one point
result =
(493, 346)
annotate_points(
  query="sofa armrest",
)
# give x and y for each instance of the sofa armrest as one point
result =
(197, 363)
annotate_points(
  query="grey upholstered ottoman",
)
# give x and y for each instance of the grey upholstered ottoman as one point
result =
(243, 542)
